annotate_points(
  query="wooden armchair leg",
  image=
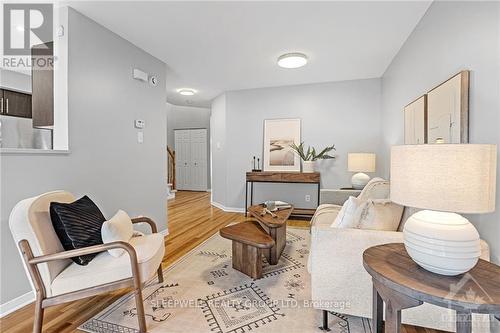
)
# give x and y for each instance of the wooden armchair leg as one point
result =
(38, 321)
(141, 317)
(160, 274)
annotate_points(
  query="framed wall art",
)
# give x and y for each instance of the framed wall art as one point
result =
(279, 135)
(448, 111)
(415, 115)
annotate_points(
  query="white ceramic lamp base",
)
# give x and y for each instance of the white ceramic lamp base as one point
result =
(359, 180)
(443, 243)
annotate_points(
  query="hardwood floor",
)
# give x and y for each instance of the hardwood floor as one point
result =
(191, 220)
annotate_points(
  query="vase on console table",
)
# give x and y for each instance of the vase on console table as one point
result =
(308, 166)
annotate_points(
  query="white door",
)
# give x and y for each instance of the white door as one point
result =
(191, 153)
(198, 159)
(182, 155)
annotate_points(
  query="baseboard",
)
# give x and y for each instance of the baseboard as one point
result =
(227, 209)
(16, 303)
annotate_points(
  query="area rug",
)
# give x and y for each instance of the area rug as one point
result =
(203, 293)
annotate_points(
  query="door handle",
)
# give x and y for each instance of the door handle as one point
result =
(1, 105)
(7, 105)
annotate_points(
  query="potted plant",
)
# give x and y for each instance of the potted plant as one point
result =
(310, 156)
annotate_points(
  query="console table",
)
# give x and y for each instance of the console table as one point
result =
(400, 283)
(282, 177)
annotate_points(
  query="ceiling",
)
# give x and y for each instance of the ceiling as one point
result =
(221, 46)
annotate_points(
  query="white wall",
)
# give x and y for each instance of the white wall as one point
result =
(105, 161)
(452, 36)
(186, 117)
(346, 114)
(15, 81)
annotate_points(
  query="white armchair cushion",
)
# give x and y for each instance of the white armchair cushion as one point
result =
(118, 228)
(105, 268)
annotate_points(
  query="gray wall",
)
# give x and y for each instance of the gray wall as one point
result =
(105, 161)
(218, 162)
(346, 114)
(186, 117)
(450, 37)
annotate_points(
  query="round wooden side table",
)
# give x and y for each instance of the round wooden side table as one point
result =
(401, 284)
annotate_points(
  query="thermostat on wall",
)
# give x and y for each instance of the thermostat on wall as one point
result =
(139, 123)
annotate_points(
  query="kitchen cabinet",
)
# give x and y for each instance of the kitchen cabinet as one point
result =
(43, 87)
(15, 104)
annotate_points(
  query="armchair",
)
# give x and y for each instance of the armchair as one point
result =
(55, 279)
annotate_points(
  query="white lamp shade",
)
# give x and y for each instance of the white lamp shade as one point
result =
(361, 162)
(445, 177)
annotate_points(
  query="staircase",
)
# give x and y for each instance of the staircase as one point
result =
(171, 174)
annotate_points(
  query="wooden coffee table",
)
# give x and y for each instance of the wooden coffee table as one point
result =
(275, 227)
(401, 283)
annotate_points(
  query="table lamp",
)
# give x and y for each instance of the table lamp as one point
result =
(443, 179)
(360, 163)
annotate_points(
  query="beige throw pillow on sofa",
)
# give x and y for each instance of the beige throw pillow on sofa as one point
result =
(378, 214)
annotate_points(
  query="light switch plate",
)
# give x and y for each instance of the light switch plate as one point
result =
(140, 137)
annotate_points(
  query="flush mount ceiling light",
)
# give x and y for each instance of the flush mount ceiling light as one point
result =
(186, 92)
(292, 60)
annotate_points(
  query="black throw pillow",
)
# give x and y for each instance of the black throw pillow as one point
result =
(77, 224)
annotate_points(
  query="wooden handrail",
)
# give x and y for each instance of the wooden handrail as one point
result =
(171, 167)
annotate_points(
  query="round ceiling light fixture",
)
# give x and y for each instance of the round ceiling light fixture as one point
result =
(292, 60)
(186, 92)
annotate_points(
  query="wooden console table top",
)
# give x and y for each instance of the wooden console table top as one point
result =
(283, 177)
(268, 220)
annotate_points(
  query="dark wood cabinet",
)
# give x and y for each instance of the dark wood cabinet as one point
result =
(15, 104)
(43, 87)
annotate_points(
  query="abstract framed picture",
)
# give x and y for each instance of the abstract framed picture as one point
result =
(279, 135)
(448, 110)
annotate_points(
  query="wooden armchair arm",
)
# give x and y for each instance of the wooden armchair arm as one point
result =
(83, 251)
(32, 261)
(147, 220)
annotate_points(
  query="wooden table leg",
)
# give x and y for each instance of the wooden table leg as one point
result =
(378, 312)
(394, 303)
(279, 237)
(392, 318)
(464, 322)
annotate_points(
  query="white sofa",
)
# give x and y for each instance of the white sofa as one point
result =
(339, 281)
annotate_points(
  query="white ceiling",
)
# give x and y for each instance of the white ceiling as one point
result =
(221, 46)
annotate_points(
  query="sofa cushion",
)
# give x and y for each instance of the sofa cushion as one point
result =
(118, 228)
(77, 224)
(377, 188)
(346, 217)
(379, 214)
(106, 268)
